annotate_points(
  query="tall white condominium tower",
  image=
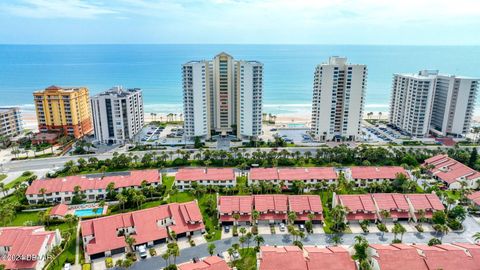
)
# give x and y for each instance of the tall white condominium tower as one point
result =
(223, 97)
(427, 101)
(117, 115)
(338, 100)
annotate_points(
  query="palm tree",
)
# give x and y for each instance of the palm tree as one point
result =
(211, 248)
(259, 240)
(255, 216)
(43, 191)
(398, 229)
(130, 241)
(476, 236)
(121, 200)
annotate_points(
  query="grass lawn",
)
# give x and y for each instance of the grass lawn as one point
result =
(181, 197)
(19, 180)
(453, 194)
(151, 204)
(2, 176)
(68, 254)
(22, 217)
(211, 222)
(247, 261)
(168, 182)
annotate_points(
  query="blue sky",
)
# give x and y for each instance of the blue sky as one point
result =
(404, 22)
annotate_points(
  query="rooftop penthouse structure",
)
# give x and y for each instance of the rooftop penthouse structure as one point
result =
(105, 236)
(94, 187)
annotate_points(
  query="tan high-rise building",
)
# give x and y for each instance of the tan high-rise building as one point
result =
(10, 121)
(64, 110)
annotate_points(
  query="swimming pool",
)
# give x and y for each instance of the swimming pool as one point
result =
(296, 125)
(87, 212)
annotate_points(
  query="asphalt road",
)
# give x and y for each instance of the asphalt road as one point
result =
(58, 162)
(470, 225)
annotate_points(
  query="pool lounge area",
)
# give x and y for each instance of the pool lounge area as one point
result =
(83, 210)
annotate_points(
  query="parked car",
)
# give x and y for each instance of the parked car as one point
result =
(282, 227)
(301, 227)
(226, 229)
(67, 266)
(142, 251)
(236, 255)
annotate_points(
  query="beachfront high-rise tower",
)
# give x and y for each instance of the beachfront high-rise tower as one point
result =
(117, 115)
(222, 97)
(430, 102)
(65, 111)
(338, 100)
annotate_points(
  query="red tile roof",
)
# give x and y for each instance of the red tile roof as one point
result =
(358, 202)
(187, 218)
(285, 258)
(212, 174)
(475, 197)
(271, 203)
(133, 178)
(386, 172)
(398, 256)
(235, 204)
(427, 202)
(59, 210)
(263, 174)
(303, 205)
(209, 263)
(449, 170)
(293, 174)
(24, 241)
(329, 258)
(446, 257)
(390, 201)
(314, 258)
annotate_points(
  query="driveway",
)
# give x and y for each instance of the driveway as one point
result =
(409, 226)
(355, 227)
(264, 229)
(318, 229)
(372, 228)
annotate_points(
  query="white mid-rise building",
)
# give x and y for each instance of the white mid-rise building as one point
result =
(222, 97)
(117, 115)
(427, 101)
(453, 105)
(338, 99)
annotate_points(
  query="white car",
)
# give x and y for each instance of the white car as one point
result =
(67, 266)
(142, 251)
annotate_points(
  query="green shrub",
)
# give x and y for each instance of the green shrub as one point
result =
(235, 231)
(86, 266)
(382, 227)
(419, 228)
(454, 224)
(108, 262)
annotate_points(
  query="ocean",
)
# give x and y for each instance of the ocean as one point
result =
(288, 70)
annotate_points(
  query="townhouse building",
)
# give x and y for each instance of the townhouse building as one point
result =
(26, 247)
(91, 188)
(452, 173)
(221, 177)
(105, 236)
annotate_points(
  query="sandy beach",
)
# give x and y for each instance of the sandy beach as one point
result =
(30, 119)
